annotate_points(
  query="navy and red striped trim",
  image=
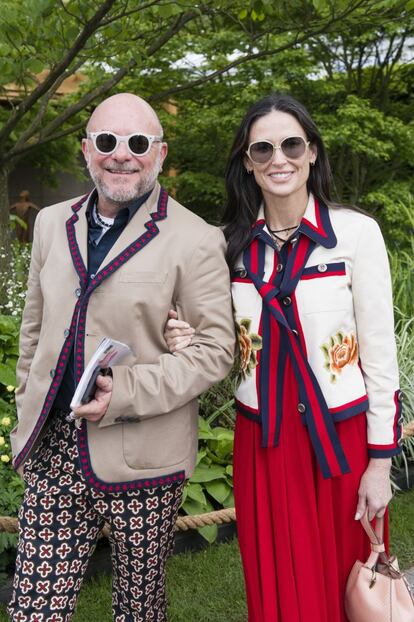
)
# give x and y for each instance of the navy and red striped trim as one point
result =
(332, 269)
(321, 428)
(251, 413)
(350, 409)
(323, 232)
(73, 244)
(60, 367)
(394, 448)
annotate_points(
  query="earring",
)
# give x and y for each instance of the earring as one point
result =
(249, 171)
(312, 162)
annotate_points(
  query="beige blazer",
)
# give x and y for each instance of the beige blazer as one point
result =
(165, 257)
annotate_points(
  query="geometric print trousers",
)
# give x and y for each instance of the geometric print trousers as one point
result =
(59, 522)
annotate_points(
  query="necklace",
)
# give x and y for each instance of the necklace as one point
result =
(278, 239)
(286, 229)
(101, 221)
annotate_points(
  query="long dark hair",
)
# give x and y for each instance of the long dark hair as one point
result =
(243, 194)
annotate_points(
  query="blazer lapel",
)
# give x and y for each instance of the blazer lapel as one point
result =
(135, 228)
(77, 234)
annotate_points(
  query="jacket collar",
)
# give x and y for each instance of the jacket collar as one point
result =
(316, 223)
(139, 231)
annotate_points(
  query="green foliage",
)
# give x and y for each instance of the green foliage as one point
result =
(11, 485)
(9, 349)
(211, 485)
(401, 255)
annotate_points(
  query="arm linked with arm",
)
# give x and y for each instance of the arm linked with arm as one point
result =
(203, 299)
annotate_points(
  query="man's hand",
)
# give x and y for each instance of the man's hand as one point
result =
(96, 408)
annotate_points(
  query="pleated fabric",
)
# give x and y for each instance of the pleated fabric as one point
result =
(297, 534)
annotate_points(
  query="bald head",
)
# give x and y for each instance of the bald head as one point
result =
(119, 113)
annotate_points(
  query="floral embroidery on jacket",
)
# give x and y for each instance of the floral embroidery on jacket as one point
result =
(249, 344)
(341, 350)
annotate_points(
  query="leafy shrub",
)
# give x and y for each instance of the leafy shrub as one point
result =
(11, 485)
(405, 346)
(13, 281)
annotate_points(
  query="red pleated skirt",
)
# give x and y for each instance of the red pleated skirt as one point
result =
(297, 534)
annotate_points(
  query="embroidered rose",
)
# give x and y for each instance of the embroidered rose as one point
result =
(342, 350)
(249, 344)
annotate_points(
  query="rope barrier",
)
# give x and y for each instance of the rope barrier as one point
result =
(9, 524)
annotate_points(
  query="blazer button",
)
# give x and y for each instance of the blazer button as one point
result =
(400, 442)
(301, 408)
(52, 373)
(279, 267)
(322, 267)
(242, 274)
(400, 421)
(66, 332)
(78, 292)
(400, 396)
(295, 332)
(287, 301)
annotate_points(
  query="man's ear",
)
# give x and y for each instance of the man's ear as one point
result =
(163, 154)
(85, 151)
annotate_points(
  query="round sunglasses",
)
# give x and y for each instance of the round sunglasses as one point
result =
(138, 144)
(262, 151)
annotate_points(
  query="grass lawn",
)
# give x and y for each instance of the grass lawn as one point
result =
(208, 586)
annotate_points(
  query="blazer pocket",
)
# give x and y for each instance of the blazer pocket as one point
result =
(133, 276)
(324, 288)
(160, 442)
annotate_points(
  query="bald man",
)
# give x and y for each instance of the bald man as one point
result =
(112, 264)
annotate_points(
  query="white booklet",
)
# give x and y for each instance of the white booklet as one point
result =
(108, 353)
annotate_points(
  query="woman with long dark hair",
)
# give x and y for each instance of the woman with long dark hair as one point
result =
(318, 404)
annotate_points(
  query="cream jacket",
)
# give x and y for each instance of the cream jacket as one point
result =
(343, 313)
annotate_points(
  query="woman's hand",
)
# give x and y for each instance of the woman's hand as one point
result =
(177, 334)
(374, 491)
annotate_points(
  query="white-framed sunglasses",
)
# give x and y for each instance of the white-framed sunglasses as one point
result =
(138, 143)
(262, 151)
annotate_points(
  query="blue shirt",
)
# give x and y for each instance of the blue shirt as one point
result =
(97, 251)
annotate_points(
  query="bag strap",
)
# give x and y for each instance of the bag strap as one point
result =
(376, 538)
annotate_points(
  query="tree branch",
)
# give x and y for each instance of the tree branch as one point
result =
(18, 153)
(88, 30)
(32, 128)
(247, 57)
(74, 109)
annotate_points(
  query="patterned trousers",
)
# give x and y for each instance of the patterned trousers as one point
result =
(59, 521)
